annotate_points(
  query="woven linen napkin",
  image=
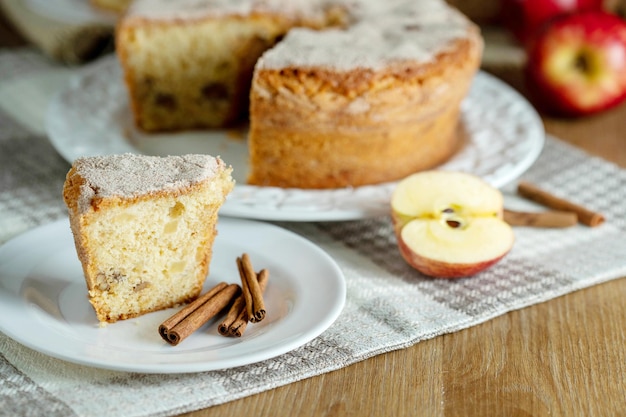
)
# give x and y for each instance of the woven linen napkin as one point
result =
(389, 305)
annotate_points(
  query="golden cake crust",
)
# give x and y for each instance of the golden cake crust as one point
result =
(318, 128)
(116, 6)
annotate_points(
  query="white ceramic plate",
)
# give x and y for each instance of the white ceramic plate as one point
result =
(503, 137)
(43, 303)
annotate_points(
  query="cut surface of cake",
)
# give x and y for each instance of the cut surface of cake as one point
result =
(188, 64)
(144, 228)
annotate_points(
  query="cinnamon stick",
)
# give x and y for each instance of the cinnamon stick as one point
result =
(239, 324)
(176, 328)
(550, 218)
(258, 305)
(238, 306)
(237, 318)
(244, 287)
(534, 193)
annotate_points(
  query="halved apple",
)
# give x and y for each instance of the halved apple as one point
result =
(449, 224)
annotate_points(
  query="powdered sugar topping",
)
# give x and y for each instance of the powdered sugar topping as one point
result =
(378, 32)
(130, 175)
(194, 9)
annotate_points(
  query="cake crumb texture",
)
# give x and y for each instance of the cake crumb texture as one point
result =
(188, 65)
(144, 228)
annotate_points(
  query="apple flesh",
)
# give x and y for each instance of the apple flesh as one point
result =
(577, 64)
(524, 18)
(449, 224)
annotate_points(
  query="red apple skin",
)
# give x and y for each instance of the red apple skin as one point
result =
(524, 18)
(437, 269)
(593, 79)
(432, 268)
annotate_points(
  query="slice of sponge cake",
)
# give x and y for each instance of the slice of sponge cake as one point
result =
(144, 228)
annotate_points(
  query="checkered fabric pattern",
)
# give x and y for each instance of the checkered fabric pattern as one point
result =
(389, 305)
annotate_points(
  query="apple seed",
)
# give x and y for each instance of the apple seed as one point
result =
(455, 224)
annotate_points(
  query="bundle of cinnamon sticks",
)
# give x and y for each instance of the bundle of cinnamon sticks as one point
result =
(243, 304)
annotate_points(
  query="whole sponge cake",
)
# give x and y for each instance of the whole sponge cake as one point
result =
(144, 228)
(345, 92)
(370, 103)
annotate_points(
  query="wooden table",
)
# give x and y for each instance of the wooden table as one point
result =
(565, 357)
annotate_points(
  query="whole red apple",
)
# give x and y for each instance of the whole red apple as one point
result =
(577, 64)
(525, 17)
